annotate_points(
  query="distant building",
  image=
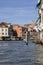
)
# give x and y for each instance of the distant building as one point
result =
(5, 30)
(18, 30)
(30, 26)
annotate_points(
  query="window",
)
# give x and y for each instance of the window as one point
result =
(5, 29)
(2, 29)
(5, 33)
(2, 33)
(20, 29)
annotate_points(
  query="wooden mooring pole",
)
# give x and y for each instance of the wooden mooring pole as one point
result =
(26, 38)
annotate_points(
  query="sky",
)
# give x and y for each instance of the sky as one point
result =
(18, 11)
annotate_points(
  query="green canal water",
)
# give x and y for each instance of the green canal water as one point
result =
(18, 53)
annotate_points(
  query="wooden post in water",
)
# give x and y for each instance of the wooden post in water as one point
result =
(26, 38)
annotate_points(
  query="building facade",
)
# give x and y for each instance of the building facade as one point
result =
(5, 30)
(40, 18)
(18, 30)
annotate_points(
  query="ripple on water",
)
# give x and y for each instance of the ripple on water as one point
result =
(16, 53)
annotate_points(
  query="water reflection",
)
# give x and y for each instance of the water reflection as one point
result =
(27, 43)
(40, 53)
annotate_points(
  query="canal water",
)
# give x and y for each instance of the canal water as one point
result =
(18, 53)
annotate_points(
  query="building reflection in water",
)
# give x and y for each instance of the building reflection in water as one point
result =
(39, 54)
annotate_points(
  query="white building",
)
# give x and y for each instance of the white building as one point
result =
(5, 30)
